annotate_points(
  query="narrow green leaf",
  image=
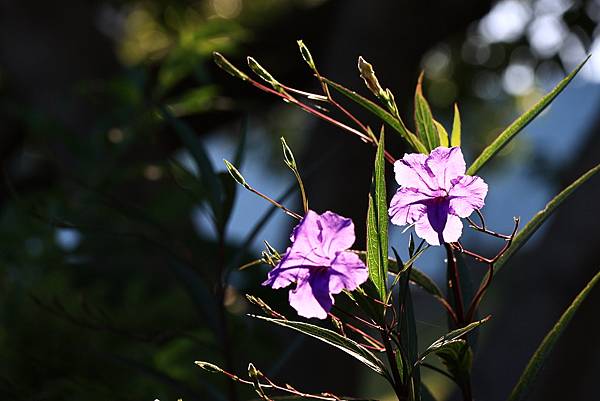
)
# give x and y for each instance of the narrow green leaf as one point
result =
(393, 122)
(208, 177)
(442, 134)
(424, 119)
(407, 329)
(456, 128)
(509, 133)
(377, 225)
(458, 359)
(523, 386)
(330, 337)
(451, 337)
(541, 216)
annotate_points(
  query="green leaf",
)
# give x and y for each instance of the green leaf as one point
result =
(442, 134)
(541, 216)
(467, 289)
(451, 337)
(208, 177)
(523, 386)
(377, 225)
(509, 133)
(458, 359)
(407, 329)
(416, 276)
(455, 141)
(424, 119)
(393, 122)
(330, 337)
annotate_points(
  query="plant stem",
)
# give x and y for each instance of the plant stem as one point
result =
(454, 284)
(400, 390)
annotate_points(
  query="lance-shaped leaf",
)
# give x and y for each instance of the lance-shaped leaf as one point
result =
(523, 386)
(330, 337)
(509, 133)
(458, 359)
(450, 338)
(377, 225)
(416, 276)
(395, 123)
(407, 330)
(456, 134)
(442, 134)
(541, 216)
(424, 119)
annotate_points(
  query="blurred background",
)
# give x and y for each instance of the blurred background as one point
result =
(113, 277)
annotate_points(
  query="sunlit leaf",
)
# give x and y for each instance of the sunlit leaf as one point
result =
(424, 119)
(541, 216)
(451, 337)
(377, 225)
(509, 133)
(442, 134)
(458, 359)
(334, 339)
(407, 328)
(456, 128)
(380, 112)
(529, 375)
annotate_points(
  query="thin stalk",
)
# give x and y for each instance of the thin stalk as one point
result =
(400, 390)
(275, 203)
(454, 283)
(290, 99)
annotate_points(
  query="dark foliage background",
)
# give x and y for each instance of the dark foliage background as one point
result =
(112, 281)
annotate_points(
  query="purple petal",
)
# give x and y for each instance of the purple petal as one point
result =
(411, 172)
(282, 275)
(307, 248)
(467, 194)
(451, 231)
(347, 273)
(337, 233)
(311, 296)
(407, 206)
(446, 164)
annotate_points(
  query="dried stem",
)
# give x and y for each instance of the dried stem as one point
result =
(271, 385)
(365, 137)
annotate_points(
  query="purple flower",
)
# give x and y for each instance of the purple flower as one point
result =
(435, 193)
(319, 263)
